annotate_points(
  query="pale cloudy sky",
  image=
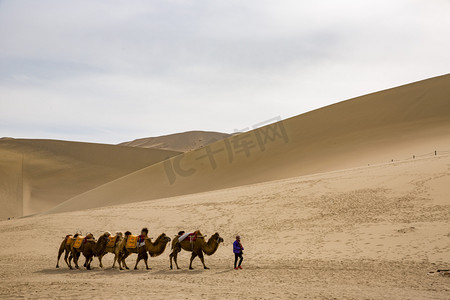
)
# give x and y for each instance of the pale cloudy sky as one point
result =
(110, 71)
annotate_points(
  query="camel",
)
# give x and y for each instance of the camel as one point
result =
(90, 248)
(154, 249)
(197, 247)
(65, 247)
(114, 250)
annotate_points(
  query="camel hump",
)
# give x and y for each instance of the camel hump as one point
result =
(175, 241)
(69, 240)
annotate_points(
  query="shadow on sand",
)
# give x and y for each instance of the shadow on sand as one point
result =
(109, 271)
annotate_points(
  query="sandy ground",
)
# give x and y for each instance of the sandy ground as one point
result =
(366, 233)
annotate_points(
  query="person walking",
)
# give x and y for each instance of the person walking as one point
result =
(142, 237)
(237, 250)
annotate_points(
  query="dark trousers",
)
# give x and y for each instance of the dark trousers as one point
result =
(236, 256)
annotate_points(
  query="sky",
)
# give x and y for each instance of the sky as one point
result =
(112, 71)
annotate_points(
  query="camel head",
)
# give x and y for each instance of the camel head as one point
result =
(217, 238)
(163, 238)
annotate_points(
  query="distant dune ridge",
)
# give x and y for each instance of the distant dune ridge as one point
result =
(392, 124)
(36, 175)
(182, 142)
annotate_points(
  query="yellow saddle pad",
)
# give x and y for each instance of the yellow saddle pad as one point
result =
(111, 241)
(132, 241)
(78, 242)
(69, 240)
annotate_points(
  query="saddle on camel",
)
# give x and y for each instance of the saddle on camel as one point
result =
(194, 242)
(89, 247)
(112, 246)
(65, 247)
(140, 245)
(191, 236)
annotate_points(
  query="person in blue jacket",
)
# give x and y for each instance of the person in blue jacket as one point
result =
(237, 250)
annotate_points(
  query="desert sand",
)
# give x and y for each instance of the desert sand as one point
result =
(373, 232)
(181, 142)
(36, 175)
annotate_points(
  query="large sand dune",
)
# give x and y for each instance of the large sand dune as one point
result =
(366, 233)
(392, 124)
(182, 142)
(36, 175)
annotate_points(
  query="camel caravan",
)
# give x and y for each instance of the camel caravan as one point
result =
(122, 245)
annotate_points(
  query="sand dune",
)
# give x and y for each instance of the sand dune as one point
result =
(366, 233)
(38, 174)
(392, 124)
(182, 142)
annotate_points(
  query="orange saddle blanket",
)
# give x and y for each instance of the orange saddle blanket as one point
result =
(111, 241)
(132, 241)
(78, 242)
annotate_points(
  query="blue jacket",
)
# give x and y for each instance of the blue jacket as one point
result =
(237, 247)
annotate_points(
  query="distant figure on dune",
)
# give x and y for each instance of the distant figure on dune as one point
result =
(237, 250)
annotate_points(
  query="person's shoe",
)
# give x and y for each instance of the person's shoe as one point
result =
(236, 268)
(240, 267)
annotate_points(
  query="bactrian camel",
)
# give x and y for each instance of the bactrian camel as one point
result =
(197, 247)
(154, 249)
(66, 248)
(114, 250)
(90, 248)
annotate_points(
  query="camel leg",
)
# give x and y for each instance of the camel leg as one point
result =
(120, 260)
(170, 259)
(60, 252)
(116, 254)
(119, 257)
(91, 258)
(86, 263)
(70, 260)
(65, 259)
(90, 261)
(75, 259)
(194, 255)
(100, 260)
(123, 260)
(174, 255)
(200, 255)
(175, 258)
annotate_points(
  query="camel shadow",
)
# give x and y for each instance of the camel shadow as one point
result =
(179, 272)
(112, 272)
(94, 271)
